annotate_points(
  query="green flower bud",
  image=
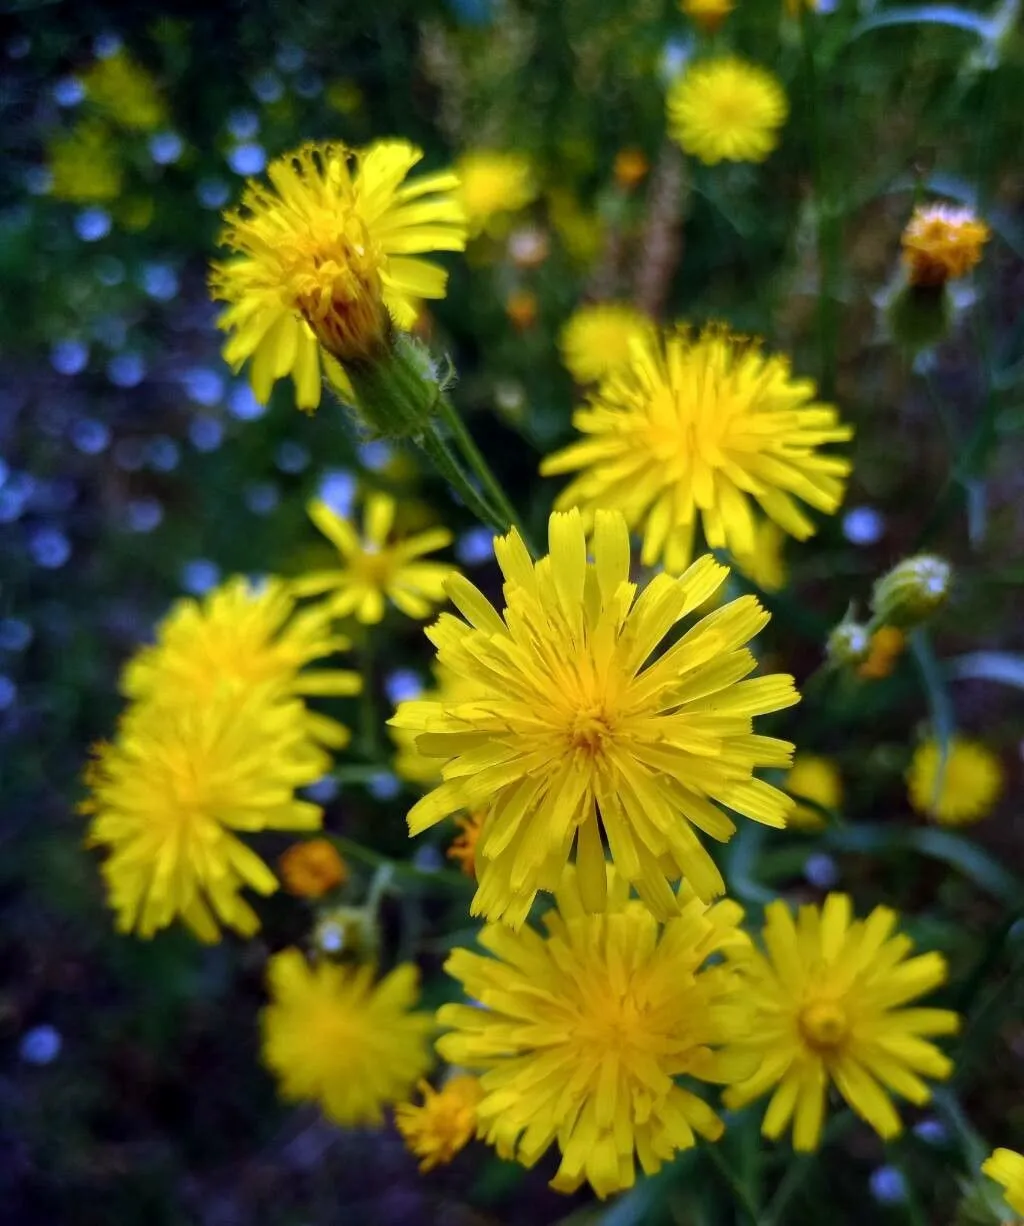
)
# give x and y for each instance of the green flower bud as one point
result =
(397, 390)
(347, 934)
(848, 644)
(912, 591)
(920, 316)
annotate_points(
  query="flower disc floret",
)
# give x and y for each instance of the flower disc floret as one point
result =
(333, 1036)
(580, 1036)
(827, 1005)
(581, 732)
(697, 426)
(726, 110)
(326, 260)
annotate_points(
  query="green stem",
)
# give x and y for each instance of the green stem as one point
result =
(433, 443)
(794, 1178)
(368, 726)
(743, 1194)
(480, 468)
(399, 870)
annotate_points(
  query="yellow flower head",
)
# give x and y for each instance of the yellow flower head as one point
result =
(708, 15)
(492, 183)
(765, 566)
(463, 846)
(695, 426)
(84, 165)
(815, 779)
(726, 110)
(125, 92)
(580, 1035)
(443, 1124)
(597, 340)
(333, 1036)
(312, 868)
(183, 773)
(580, 732)
(1006, 1167)
(243, 635)
(411, 765)
(327, 255)
(961, 790)
(941, 243)
(827, 1001)
(374, 571)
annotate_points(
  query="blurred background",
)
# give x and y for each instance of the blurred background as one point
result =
(135, 467)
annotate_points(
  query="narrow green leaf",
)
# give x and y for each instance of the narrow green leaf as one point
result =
(925, 14)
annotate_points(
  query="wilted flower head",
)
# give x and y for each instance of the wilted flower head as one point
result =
(942, 242)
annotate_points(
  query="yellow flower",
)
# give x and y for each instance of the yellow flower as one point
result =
(597, 340)
(827, 1001)
(707, 14)
(886, 647)
(816, 779)
(961, 790)
(580, 1035)
(492, 183)
(246, 635)
(578, 730)
(726, 110)
(331, 1035)
(941, 243)
(84, 165)
(312, 868)
(696, 426)
(1006, 1167)
(765, 566)
(463, 846)
(443, 1124)
(581, 230)
(125, 91)
(327, 255)
(184, 772)
(373, 570)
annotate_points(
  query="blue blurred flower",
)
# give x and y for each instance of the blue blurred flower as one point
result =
(40, 1045)
(69, 357)
(163, 454)
(290, 57)
(338, 490)
(68, 91)
(375, 455)
(89, 436)
(475, 546)
(888, 1186)
(247, 159)
(932, 1131)
(92, 224)
(267, 86)
(323, 791)
(243, 404)
(199, 576)
(144, 514)
(15, 634)
(384, 785)
(203, 385)
(213, 193)
(261, 497)
(243, 124)
(821, 870)
(205, 433)
(107, 44)
(401, 685)
(126, 369)
(863, 526)
(8, 693)
(291, 457)
(159, 281)
(165, 148)
(49, 548)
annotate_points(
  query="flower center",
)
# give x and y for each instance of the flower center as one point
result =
(590, 728)
(375, 566)
(824, 1024)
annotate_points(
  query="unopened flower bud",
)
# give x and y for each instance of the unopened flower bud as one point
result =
(920, 316)
(913, 590)
(347, 933)
(848, 644)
